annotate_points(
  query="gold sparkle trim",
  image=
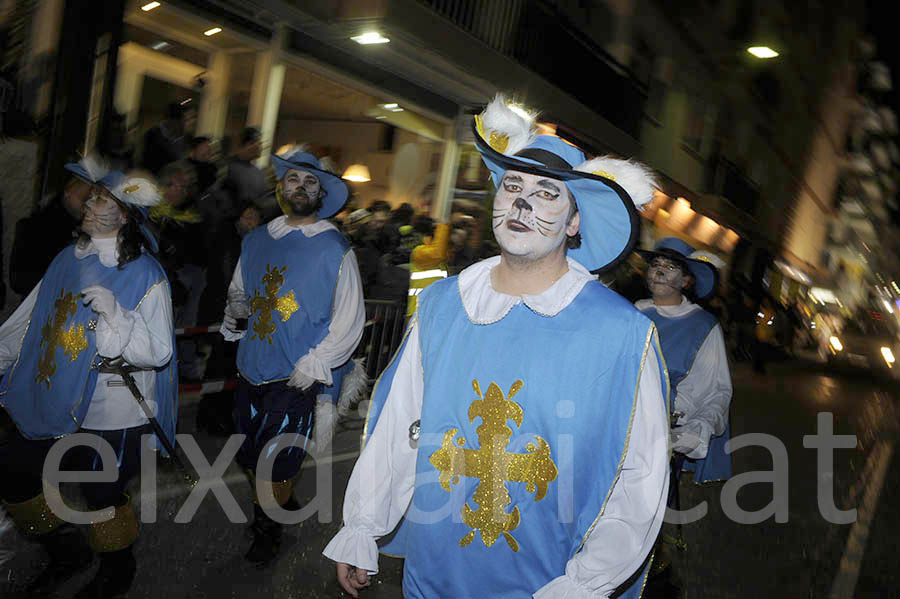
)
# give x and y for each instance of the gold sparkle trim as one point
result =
(131, 189)
(604, 174)
(33, 517)
(117, 533)
(650, 335)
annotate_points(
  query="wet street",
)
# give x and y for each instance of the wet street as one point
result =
(800, 555)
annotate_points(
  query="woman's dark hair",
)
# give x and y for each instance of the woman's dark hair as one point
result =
(131, 240)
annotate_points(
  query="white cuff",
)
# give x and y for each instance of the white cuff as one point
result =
(314, 368)
(354, 547)
(564, 587)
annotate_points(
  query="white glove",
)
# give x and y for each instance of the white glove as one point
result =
(684, 439)
(101, 300)
(229, 322)
(300, 380)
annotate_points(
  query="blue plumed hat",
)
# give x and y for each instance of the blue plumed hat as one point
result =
(606, 189)
(336, 190)
(701, 267)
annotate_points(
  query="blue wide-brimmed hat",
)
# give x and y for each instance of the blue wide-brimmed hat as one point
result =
(606, 189)
(95, 171)
(704, 273)
(336, 190)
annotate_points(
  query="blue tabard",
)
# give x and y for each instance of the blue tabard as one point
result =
(553, 398)
(681, 338)
(290, 284)
(49, 387)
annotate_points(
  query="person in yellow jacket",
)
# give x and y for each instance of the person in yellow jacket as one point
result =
(427, 264)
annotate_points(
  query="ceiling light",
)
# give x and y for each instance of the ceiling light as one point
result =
(150, 6)
(183, 102)
(396, 110)
(380, 117)
(358, 173)
(762, 52)
(160, 45)
(371, 37)
(391, 105)
(212, 31)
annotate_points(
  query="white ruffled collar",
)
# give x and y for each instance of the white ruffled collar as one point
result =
(106, 249)
(278, 227)
(484, 305)
(685, 307)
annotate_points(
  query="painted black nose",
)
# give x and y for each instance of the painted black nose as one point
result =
(521, 204)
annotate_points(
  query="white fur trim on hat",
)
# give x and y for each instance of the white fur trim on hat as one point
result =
(517, 126)
(708, 257)
(137, 191)
(635, 178)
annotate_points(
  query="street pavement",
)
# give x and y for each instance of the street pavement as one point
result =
(804, 557)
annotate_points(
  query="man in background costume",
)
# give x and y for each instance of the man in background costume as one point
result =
(521, 429)
(694, 349)
(103, 297)
(297, 283)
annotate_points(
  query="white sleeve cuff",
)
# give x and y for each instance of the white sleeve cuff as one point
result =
(230, 335)
(314, 368)
(354, 547)
(564, 587)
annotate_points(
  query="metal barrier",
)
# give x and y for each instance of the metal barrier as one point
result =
(382, 334)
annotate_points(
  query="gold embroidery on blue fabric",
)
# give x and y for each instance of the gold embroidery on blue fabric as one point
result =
(494, 466)
(285, 305)
(72, 341)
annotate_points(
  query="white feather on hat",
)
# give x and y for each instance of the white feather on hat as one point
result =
(138, 191)
(95, 166)
(506, 130)
(635, 178)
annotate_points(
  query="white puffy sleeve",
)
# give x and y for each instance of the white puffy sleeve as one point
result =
(381, 485)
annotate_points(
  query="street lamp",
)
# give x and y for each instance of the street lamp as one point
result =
(763, 52)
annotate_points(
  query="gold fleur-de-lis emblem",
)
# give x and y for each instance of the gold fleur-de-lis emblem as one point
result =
(264, 305)
(71, 341)
(494, 466)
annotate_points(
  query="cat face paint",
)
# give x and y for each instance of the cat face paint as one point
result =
(101, 215)
(665, 278)
(530, 214)
(302, 192)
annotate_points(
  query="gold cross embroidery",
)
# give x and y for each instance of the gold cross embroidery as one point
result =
(494, 466)
(286, 305)
(71, 341)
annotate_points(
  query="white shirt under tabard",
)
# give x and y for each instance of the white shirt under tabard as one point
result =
(143, 337)
(381, 485)
(704, 395)
(348, 314)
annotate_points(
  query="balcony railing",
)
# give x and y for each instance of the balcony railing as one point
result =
(538, 36)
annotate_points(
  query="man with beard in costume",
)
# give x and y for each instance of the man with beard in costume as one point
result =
(104, 297)
(519, 437)
(297, 283)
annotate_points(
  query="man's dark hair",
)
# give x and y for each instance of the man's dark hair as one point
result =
(196, 142)
(573, 242)
(379, 206)
(250, 134)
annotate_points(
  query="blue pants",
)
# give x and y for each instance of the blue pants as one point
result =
(263, 412)
(22, 464)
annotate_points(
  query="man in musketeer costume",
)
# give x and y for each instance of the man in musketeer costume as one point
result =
(519, 438)
(103, 298)
(297, 283)
(694, 349)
